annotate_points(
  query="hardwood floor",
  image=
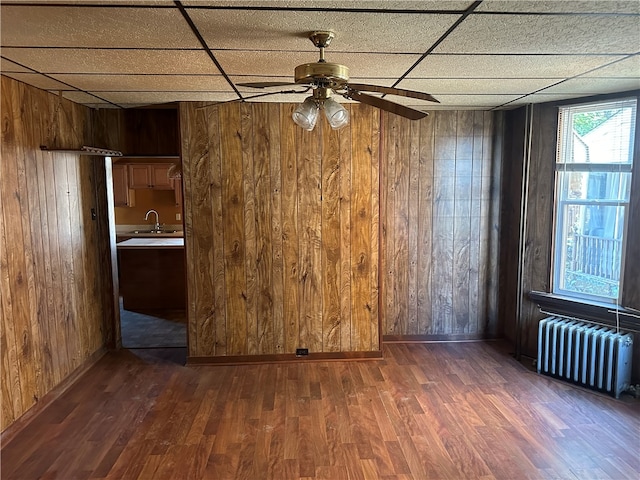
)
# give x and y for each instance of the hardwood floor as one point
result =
(459, 410)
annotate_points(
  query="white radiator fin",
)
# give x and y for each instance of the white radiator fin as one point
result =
(590, 355)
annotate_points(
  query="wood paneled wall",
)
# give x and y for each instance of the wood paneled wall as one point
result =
(536, 261)
(515, 149)
(281, 231)
(440, 213)
(55, 314)
(152, 131)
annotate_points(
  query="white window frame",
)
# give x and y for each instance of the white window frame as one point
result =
(565, 151)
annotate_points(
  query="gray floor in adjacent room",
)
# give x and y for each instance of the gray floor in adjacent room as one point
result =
(158, 329)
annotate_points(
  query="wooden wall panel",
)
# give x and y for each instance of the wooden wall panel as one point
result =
(297, 227)
(54, 316)
(310, 238)
(233, 210)
(344, 139)
(274, 194)
(361, 225)
(514, 152)
(443, 222)
(536, 264)
(290, 244)
(631, 276)
(440, 204)
(375, 144)
(331, 267)
(425, 226)
(249, 231)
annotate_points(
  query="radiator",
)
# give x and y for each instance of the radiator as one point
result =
(593, 356)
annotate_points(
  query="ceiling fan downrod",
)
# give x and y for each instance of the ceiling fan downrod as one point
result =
(321, 39)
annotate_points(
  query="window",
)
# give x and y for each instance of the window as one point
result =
(593, 184)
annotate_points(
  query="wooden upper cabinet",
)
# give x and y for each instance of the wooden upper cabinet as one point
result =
(160, 177)
(150, 176)
(121, 193)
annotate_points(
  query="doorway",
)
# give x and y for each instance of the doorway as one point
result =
(141, 328)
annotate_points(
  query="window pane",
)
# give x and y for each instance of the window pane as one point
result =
(589, 251)
(593, 168)
(595, 134)
(611, 186)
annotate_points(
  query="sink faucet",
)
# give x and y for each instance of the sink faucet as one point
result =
(157, 225)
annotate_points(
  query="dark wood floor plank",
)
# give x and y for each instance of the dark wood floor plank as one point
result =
(464, 410)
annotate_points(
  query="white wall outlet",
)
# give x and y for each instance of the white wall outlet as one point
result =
(178, 216)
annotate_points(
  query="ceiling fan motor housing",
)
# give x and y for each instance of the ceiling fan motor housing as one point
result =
(332, 75)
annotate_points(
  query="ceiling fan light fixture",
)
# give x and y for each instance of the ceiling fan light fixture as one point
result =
(336, 114)
(306, 114)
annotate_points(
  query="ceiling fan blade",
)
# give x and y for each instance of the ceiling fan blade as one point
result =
(264, 84)
(361, 87)
(386, 105)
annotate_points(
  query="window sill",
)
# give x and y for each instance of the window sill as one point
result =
(601, 313)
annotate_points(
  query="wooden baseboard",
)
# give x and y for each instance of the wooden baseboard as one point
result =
(283, 358)
(20, 423)
(436, 338)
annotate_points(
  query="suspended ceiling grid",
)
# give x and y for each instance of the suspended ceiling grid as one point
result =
(470, 55)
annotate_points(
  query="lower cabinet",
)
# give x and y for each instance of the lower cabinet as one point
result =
(152, 278)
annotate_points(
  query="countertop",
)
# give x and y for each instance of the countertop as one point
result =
(127, 231)
(140, 243)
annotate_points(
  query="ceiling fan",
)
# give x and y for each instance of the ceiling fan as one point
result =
(327, 78)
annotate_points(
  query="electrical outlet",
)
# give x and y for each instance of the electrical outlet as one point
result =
(302, 352)
(178, 216)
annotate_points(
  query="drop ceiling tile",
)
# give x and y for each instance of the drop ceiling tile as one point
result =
(236, 79)
(454, 101)
(608, 6)
(49, 26)
(102, 105)
(453, 86)
(149, 98)
(628, 67)
(285, 98)
(8, 66)
(418, 5)
(593, 86)
(81, 97)
(113, 61)
(37, 80)
(283, 64)
(590, 34)
(544, 98)
(288, 30)
(508, 66)
(153, 3)
(141, 83)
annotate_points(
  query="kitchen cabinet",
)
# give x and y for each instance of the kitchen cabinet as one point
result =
(150, 176)
(122, 196)
(152, 273)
